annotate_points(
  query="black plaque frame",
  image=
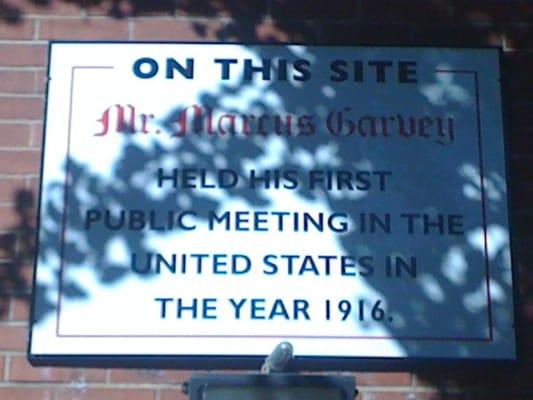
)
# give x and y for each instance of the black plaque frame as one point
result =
(311, 363)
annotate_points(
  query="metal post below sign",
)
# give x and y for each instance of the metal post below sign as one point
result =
(271, 387)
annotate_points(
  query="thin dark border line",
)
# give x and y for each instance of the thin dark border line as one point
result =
(38, 227)
(303, 44)
(424, 339)
(443, 339)
(482, 186)
(299, 363)
(67, 190)
(65, 207)
(484, 207)
(518, 322)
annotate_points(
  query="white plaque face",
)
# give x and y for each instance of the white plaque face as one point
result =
(216, 199)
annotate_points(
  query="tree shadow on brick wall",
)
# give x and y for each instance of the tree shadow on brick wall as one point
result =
(17, 249)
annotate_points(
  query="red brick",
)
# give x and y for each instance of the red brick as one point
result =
(452, 381)
(314, 9)
(520, 137)
(347, 33)
(523, 252)
(14, 338)
(284, 31)
(178, 30)
(24, 264)
(36, 135)
(519, 37)
(527, 332)
(7, 245)
(518, 87)
(20, 309)
(241, 8)
(383, 396)
(41, 78)
(19, 393)
(176, 394)
(270, 31)
(518, 63)
(520, 115)
(377, 11)
(27, 55)
(527, 306)
(15, 128)
(34, 186)
(440, 395)
(8, 218)
(19, 162)
(492, 11)
(123, 9)
(522, 196)
(17, 81)
(14, 135)
(10, 13)
(383, 379)
(501, 393)
(4, 310)
(457, 36)
(227, 8)
(105, 394)
(22, 371)
(149, 376)
(8, 188)
(84, 29)
(21, 108)
(523, 221)
(427, 381)
(26, 249)
(520, 144)
(522, 378)
(20, 30)
(47, 7)
(198, 8)
(25, 206)
(110, 8)
(523, 262)
(15, 279)
(153, 8)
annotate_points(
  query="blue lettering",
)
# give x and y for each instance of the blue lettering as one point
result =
(141, 64)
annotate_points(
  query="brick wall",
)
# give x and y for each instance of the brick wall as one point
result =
(27, 25)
